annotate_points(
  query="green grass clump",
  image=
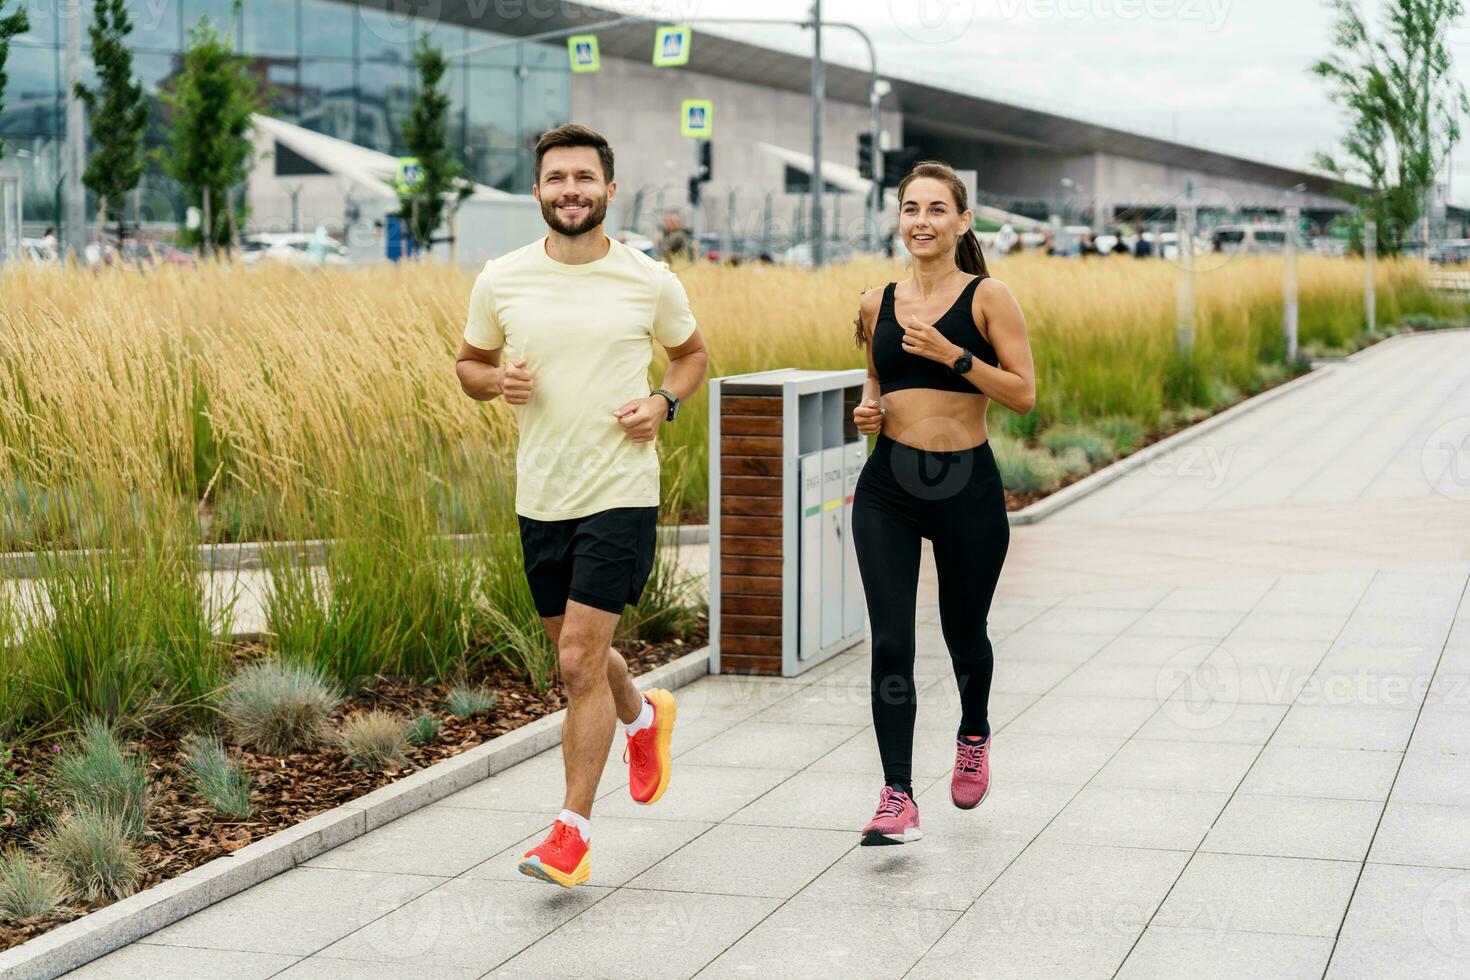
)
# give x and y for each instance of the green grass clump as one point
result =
(27, 887)
(1023, 469)
(96, 775)
(1124, 433)
(219, 780)
(93, 853)
(466, 702)
(1094, 445)
(375, 740)
(277, 707)
(423, 729)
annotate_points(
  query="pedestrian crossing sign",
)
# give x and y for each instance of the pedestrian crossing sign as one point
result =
(582, 50)
(671, 46)
(698, 118)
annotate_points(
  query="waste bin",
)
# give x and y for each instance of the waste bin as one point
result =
(784, 458)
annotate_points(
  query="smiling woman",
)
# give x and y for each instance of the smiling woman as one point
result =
(958, 342)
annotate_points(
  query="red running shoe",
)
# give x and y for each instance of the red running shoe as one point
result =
(970, 783)
(563, 858)
(647, 754)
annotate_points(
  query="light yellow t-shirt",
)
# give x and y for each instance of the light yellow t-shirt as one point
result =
(586, 333)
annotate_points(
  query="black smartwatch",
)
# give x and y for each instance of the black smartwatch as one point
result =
(963, 363)
(673, 402)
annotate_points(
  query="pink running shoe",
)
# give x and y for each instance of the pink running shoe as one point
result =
(970, 783)
(896, 822)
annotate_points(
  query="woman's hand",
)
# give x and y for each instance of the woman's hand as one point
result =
(922, 339)
(868, 417)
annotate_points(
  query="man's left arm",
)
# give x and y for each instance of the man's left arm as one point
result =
(675, 329)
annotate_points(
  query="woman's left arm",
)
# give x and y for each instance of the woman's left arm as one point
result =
(1013, 384)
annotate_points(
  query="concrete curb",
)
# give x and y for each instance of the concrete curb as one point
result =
(1093, 482)
(98, 933)
(247, 555)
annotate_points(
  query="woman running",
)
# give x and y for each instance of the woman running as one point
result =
(941, 345)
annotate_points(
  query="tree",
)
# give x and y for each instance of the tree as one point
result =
(209, 149)
(426, 133)
(10, 26)
(1404, 109)
(117, 111)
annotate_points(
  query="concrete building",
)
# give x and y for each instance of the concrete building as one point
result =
(344, 68)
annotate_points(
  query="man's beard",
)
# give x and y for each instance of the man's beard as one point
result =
(596, 211)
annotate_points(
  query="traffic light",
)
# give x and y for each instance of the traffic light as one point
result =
(694, 186)
(865, 156)
(706, 160)
(897, 164)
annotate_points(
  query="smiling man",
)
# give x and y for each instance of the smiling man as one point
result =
(563, 330)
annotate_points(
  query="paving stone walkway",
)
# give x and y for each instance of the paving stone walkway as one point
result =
(1232, 713)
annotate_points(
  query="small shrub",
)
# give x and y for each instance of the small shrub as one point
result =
(1025, 470)
(21, 803)
(1073, 460)
(27, 886)
(94, 855)
(218, 779)
(1124, 433)
(1020, 426)
(1094, 445)
(466, 702)
(375, 740)
(96, 775)
(277, 707)
(423, 729)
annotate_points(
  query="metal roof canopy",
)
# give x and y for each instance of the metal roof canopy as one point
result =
(927, 108)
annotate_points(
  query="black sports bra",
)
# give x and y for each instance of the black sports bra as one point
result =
(898, 369)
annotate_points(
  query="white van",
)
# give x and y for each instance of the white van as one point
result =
(1249, 238)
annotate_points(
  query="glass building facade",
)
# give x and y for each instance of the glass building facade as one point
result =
(327, 65)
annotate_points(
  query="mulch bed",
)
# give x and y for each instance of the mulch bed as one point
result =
(185, 832)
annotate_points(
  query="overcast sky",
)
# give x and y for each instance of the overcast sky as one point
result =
(1231, 75)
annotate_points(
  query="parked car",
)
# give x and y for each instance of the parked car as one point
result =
(290, 247)
(1249, 238)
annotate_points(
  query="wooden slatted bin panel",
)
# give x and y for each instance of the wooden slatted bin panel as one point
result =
(750, 534)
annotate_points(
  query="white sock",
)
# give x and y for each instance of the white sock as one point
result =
(583, 825)
(644, 719)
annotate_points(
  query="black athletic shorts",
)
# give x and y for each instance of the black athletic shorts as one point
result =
(601, 560)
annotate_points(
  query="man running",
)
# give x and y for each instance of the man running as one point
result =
(562, 330)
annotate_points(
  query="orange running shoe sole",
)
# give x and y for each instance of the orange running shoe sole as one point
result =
(532, 867)
(665, 711)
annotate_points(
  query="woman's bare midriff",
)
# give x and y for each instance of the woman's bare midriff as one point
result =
(934, 420)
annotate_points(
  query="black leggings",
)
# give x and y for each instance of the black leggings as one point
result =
(955, 500)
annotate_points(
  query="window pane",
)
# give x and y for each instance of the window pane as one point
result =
(44, 17)
(547, 102)
(219, 12)
(326, 97)
(270, 27)
(492, 108)
(384, 97)
(498, 55)
(279, 88)
(155, 25)
(327, 28)
(385, 36)
(31, 105)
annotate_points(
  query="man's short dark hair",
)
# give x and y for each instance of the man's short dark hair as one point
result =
(573, 135)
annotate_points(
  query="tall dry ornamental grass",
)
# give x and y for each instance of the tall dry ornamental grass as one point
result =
(243, 390)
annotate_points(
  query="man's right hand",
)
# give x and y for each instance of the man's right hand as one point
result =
(517, 382)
